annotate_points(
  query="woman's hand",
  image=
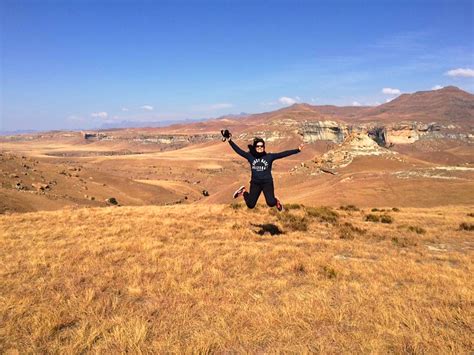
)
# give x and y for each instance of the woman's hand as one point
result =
(226, 135)
(301, 147)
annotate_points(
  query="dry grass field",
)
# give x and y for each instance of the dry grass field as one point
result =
(221, 278)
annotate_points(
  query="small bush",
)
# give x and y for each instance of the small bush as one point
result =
(293, 222)
(372, 218)
(323, 214)
(395, 209)
(385, 218)
(293, 206)
(349, 208)
(466, 226)
(417, 230)
(347, 230)
(470, 214)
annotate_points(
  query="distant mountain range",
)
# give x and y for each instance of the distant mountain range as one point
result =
(19, 131)
(141, 124)
(151, 124)
(449, 104)
(446, 105)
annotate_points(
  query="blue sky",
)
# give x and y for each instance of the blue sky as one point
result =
(80, 63)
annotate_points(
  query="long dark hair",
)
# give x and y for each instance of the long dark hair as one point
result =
(253, 147)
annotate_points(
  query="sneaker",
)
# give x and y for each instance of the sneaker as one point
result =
(279, 206)
(239, 192)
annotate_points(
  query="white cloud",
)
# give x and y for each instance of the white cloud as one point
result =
(124, 109)
(461, 72)
(390, 91)
(147, 108)
(436, 87)
(355, 103)
(287, 100)
(100, 114)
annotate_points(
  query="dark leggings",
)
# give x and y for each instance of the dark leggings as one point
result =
(252, 196)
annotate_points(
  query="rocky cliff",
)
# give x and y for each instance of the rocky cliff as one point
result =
(383, 134)
(324, 131)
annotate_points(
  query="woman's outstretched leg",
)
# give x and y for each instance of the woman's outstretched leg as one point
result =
(252, 196)
(269, 193)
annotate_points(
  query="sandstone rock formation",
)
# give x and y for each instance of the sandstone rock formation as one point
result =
(324, 130)
(356, 144)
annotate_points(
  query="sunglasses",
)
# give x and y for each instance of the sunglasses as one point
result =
(259, 146)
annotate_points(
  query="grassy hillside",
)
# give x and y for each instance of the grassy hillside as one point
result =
(213, 278)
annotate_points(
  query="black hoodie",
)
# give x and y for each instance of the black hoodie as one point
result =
(261, 163)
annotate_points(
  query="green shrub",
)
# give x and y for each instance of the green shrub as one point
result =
(395, 209)
(293, 222)
(385, 218)
(347, 230)
(323, 214)
(372, 218)
(349, 208)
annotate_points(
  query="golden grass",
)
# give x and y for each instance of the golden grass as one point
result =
(200, 279)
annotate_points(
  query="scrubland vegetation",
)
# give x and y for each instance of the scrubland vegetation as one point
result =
(222, 278)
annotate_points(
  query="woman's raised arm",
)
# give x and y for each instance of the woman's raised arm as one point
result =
(237, 149)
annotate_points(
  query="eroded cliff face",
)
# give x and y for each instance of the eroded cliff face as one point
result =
(324, 131)
(356, 144)
(165, 139)
(410, 132)
(267, 135)
(406, 133)
(384, 135)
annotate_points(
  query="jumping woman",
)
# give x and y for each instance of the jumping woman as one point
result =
(261, 166)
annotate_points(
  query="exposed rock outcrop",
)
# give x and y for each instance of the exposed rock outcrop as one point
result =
(166, 139)
(356, 144)
(324, 130)
(268, 136)
(410, 132)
